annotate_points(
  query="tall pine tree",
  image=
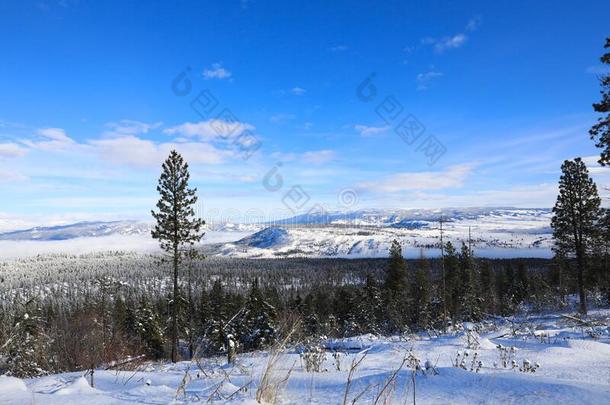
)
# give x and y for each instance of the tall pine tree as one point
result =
(576, 213)
(176, 226)
(600, 132)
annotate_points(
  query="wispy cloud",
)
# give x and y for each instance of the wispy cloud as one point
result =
(129, 127)
(135, 151)
(338, 48)
(50, 139)
(210, 129)
(452, 41)
(216, 72)
(366, 131)
(452, 177)
(11, 150)
(298, 91)
(318, 157)
(424, 79)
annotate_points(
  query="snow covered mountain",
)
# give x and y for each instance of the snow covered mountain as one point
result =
(78, 230)
(415, 218)
(494, 232)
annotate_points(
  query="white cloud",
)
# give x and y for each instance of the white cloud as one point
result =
(210, 129)
(318, 157)
(134, 151)
(473, 24)
(452, 177)
(11, 150)
(216, 72)
(366, 130)
(338, 48)
(51, 139)
(424, 79)
(130, 127)
(452, 42)
(283, 157)
(298, 91)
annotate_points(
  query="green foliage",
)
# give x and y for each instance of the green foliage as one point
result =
(147, 325)
(600, 132)
(176, 225)
(575, 218)
(26, 350)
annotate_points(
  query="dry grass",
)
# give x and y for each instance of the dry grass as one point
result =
(273, 381)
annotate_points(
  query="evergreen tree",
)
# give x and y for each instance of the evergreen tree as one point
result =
(470, 303)
(176, 225)
(452, 279)
(521, 284)
(26, 350)
(603, 254)
(257, 321)
(149, 330)
(397, 270)
(488, 288)
(600, 132)
(215, 325)
(421, 296)
(370, 313)
(575, 215)
(395, 290)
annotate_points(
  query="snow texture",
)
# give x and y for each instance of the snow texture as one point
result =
(573, 369)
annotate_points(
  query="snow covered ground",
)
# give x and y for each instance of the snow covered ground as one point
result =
(574, 368)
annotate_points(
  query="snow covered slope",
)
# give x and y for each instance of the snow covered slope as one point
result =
(573, 369)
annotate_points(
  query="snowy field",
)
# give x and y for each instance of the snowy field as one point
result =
(571, 362)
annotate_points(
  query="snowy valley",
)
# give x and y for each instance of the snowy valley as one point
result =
(494, 232)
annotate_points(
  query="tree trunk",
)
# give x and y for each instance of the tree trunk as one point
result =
(175, 309)
(581, 286)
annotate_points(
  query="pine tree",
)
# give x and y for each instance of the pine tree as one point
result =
(576, 213)
(148, 328)
(176, 225)
(257, 322)
(395, 290)
(470, 303)
(521, 284)
(420, 295)
(488, 288)
(600, 132)
(27, 348)
(603, 253)
(370, 312)
(397, 270)
(452, 279)
(215, 326)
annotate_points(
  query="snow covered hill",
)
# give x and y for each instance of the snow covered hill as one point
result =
(79, 230)
(494, 232)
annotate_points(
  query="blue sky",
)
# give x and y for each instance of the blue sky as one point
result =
(88, 111)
